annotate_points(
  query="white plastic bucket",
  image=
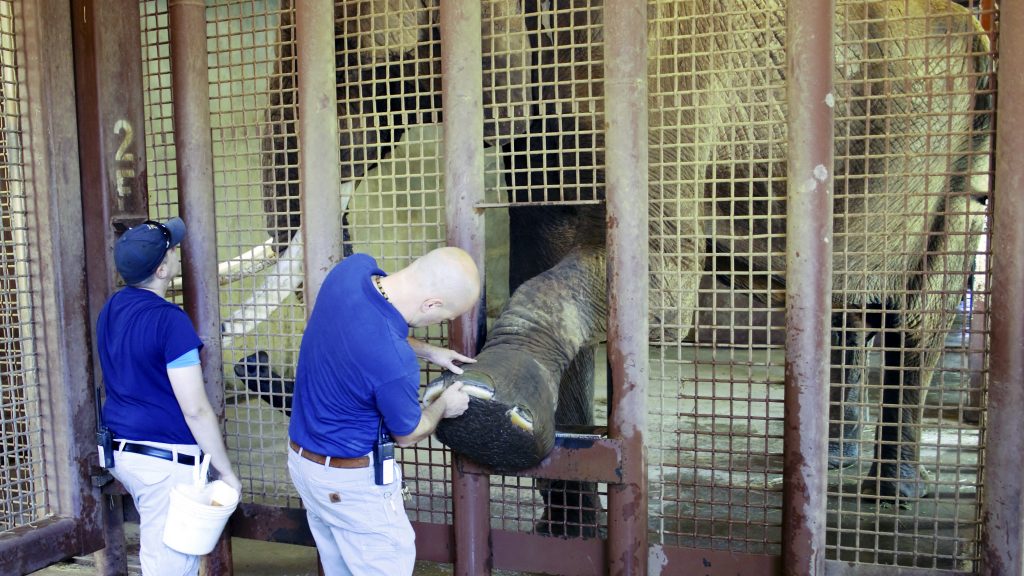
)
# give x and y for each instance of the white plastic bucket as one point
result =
(196, 517)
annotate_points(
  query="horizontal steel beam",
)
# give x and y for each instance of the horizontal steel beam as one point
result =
(576, 456)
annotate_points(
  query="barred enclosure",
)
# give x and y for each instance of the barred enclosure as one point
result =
(913, 97)
(22, 488)
(572, 188)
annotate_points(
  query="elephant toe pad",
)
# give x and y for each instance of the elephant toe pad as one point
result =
(493, 434)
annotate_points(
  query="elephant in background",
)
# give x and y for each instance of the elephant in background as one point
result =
(912, 111)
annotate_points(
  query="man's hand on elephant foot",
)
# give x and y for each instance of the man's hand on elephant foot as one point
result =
(495, 435)
(510, 421)
(896, 484)
(478, 387)
(843, 454)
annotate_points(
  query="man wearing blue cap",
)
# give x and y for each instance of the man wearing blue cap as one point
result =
(156, 405)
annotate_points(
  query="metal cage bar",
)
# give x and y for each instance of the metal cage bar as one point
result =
(1003, 548)
(318, 143)
(462, 112)
(194, 167)
(809, 57)
(626, 188)
(111, 125)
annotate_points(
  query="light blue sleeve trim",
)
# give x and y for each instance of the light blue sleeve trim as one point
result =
(190, 358)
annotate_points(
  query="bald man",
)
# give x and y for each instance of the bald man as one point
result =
(357, 388)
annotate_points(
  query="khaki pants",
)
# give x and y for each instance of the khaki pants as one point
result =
(149, 481)
(360, 528)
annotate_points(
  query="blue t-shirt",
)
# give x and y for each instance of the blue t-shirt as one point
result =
(138, 333)
(355, 365)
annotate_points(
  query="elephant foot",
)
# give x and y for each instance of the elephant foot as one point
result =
(504, 428)
(568, 513)
(256, 373)
(895, 483)
(843, 454)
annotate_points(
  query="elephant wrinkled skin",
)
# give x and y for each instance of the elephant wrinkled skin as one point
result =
(912, 114)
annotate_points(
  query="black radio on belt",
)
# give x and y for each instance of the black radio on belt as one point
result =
(104, 437)
(105, 446)
(383, 457)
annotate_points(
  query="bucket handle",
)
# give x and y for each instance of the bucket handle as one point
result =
(199, 472)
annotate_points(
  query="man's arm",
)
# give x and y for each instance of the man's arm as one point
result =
(442, 357)
(453, 402)
(187, 383)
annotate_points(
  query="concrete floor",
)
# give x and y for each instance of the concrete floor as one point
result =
(251, 558)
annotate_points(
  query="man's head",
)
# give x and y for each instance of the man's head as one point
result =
(141, 250)
(439, 286)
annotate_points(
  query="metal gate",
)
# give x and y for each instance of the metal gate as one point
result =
(785, 209)
(48, 507)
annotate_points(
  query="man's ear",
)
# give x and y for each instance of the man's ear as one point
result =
(431, 303)
(161, 270)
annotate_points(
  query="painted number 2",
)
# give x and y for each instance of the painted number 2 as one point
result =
(124, 162)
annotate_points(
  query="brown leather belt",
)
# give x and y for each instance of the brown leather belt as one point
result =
(330, 461)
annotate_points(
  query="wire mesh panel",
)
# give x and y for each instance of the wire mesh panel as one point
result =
(913, 121)
(23, 497)
(550, 54)
(717, 158)
(261, 310)
(161, 177)
(543, 100)
(911, 172)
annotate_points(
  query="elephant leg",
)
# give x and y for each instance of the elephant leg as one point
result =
(845, 418)
(909, 363)
(913, 342)
(895, 470)
(259, 376)
(510, 423)
(570, 507)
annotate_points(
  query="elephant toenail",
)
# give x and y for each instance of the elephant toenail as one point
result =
(433, 391)
(477, 390)
(521, 418)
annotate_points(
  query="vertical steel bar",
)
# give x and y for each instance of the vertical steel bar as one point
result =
(809, 65)
(462, 110)
(1003, 518)
(626, 182)
(319, 168)
(108, 89)
(194, 145)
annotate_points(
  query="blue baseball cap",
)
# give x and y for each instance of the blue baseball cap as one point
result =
(140, 250)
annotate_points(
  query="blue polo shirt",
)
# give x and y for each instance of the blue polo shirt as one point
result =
(355, 365)
(138, 334)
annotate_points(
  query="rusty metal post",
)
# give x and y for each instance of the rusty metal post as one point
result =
(194, 145)
(462, 109)
(317, 124)
(809, 66)
(112, 156)
(319, 168)
(1003, 517)
(988, 12)
(626, 189)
